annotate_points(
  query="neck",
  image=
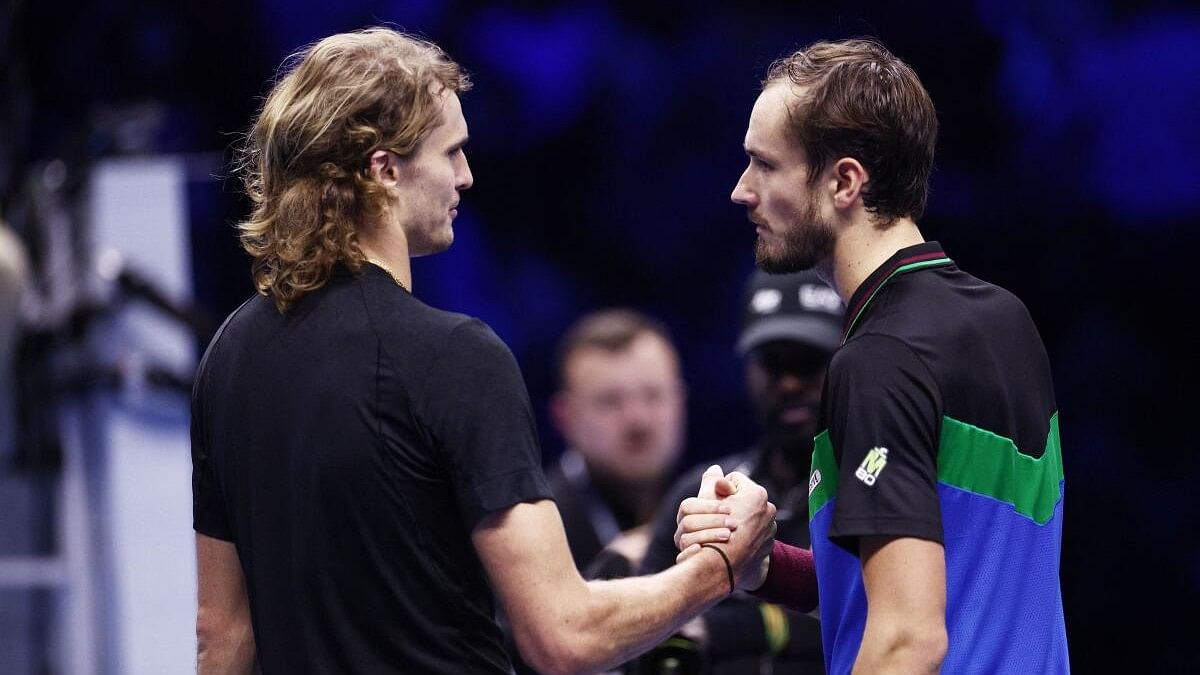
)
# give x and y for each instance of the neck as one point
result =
(388, 249)
(862, 248)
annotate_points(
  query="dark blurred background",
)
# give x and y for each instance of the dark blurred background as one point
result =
(606, 137)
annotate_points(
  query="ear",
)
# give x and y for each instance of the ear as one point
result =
(849, 177)
(384, 167)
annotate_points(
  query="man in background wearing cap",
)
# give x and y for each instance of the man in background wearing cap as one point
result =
(792, 325)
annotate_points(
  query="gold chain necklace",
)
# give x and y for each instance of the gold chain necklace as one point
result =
(385, 268)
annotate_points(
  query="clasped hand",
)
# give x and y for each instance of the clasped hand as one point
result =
(733, 513)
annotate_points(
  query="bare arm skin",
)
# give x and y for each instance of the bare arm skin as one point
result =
(905, 581)
(224, 637)
(563, 624)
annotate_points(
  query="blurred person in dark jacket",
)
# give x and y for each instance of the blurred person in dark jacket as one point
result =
(792, 325)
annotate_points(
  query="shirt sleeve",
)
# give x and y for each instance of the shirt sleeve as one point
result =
(208, 509)
(478, 413)
(884, 421)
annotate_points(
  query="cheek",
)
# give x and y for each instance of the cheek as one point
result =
(597, 426)
(756, 382)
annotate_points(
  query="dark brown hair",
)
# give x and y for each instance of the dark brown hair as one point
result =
(860, 101)
(305, 160)
(610, 330)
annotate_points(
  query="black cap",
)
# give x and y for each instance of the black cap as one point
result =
(797, 307)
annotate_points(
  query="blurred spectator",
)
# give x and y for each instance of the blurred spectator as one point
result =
(620, 409)
(792, 325)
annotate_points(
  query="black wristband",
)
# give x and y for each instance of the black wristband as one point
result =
(728, 565)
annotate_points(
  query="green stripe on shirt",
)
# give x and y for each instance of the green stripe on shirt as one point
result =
(979, 461)
(971, 459)
(823, 479)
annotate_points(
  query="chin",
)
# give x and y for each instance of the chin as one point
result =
(433, 245)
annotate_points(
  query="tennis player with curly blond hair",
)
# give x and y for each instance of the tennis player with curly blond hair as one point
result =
(366, 471)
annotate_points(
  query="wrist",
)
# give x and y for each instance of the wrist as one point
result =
(729, 575)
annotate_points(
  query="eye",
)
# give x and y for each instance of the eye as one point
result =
(765, 166)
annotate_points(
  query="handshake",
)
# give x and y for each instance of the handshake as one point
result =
(731, 513)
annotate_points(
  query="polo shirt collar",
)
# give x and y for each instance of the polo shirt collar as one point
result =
(908, 259)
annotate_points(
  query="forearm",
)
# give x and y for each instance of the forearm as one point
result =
(224, 633)
(228, 650)
(619, 619)
(563, 624)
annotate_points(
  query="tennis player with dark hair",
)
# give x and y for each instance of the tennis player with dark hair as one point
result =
(935, 492)
(364, 464)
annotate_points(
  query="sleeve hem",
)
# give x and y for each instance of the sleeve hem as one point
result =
(214, 532)
(846, 533)
(498, 493)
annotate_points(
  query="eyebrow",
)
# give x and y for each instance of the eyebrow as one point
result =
(755, 153)
(459, 145)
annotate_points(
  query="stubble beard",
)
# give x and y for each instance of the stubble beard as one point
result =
(431, 239)
(805, 243)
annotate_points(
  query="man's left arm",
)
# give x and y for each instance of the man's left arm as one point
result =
(905, 582)
(224, 636)
(885, 412)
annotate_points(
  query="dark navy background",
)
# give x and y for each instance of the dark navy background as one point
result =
(606, 137)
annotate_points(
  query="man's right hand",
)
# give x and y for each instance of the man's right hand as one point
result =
(731, 512)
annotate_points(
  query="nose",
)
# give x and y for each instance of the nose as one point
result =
(742, 194)
(791, 383)
(463, 179)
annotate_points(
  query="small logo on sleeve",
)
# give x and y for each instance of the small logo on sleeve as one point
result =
(813, 481)
(872, 465)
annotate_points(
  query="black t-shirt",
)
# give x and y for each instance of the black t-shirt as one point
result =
(348, 449)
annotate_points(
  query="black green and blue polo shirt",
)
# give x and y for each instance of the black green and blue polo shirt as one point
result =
(940, 423)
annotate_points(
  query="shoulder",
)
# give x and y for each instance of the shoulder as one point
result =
(236, 327)
(874, 368)
(945, 302)
(405, 324)
(872, 353)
